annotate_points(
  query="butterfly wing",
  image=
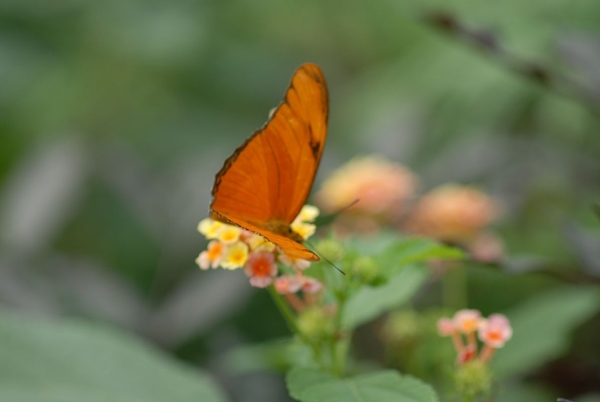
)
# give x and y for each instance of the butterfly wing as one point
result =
(268, 178)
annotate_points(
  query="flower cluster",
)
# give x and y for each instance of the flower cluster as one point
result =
(231, 247)
(452, 213)
(382, 189)
(494, 332)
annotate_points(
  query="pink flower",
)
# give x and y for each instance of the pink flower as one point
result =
(495, 331)
(296, 263)
(445, 326)
(467, 321)
(311, 285)
(452, 213)
(486, 248)
(261, 268)
(293, 283)
(288, 284)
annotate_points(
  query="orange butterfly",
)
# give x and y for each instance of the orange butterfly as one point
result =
(265, 183)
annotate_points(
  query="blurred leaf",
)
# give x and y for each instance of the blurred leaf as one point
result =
(310, 385)
(541, 328)
(370, 302)
(596, 208)
(77, 361)
(373, 244)
(414, 250)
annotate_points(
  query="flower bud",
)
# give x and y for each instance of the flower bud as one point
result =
(366, 269)
(331, 249)
(315, 323)
(473, 379)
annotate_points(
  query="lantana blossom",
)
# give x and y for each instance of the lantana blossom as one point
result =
(211, 258)
(467, 321)
(494, 332)
(452, 213)
(235, 256)
(261, 269)
(232, 247)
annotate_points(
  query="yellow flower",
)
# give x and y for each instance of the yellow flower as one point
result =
(303, 229)
(229, 234)
(259, 243)
(308, 213)
(210, 228)
(300, 225)
(235, 256)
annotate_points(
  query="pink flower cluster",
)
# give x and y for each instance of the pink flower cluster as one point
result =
(494, 332)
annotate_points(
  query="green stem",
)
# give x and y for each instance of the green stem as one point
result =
(285, 310)
(340, 344)
(290, 319)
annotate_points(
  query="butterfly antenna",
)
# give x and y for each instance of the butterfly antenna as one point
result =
(324, 258)
(356, 200)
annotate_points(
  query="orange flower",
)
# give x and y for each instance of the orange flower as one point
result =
(452, 213)
(382, 187)
(211, 258)
(467, 321)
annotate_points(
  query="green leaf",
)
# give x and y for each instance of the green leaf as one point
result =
(541, 328)
(369, 302)
(414, 250)
(76, 361)
(311, 385)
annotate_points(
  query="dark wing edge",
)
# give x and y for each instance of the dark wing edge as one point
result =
(291, 248)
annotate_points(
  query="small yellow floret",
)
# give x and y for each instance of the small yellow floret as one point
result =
(235, 256)
(259, 243)
(308, 213)
(209, 228)
(229, 234)
(303, 229)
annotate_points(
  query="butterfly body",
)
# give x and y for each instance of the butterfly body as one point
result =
(263, 185)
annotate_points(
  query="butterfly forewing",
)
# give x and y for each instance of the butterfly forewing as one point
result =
(269, 177)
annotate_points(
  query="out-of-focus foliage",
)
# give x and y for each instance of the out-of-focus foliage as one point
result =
(70, 361)
(115, 116)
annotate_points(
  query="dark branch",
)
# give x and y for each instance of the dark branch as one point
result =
(486, 42)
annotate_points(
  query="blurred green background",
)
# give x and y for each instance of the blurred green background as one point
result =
(115, 116)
